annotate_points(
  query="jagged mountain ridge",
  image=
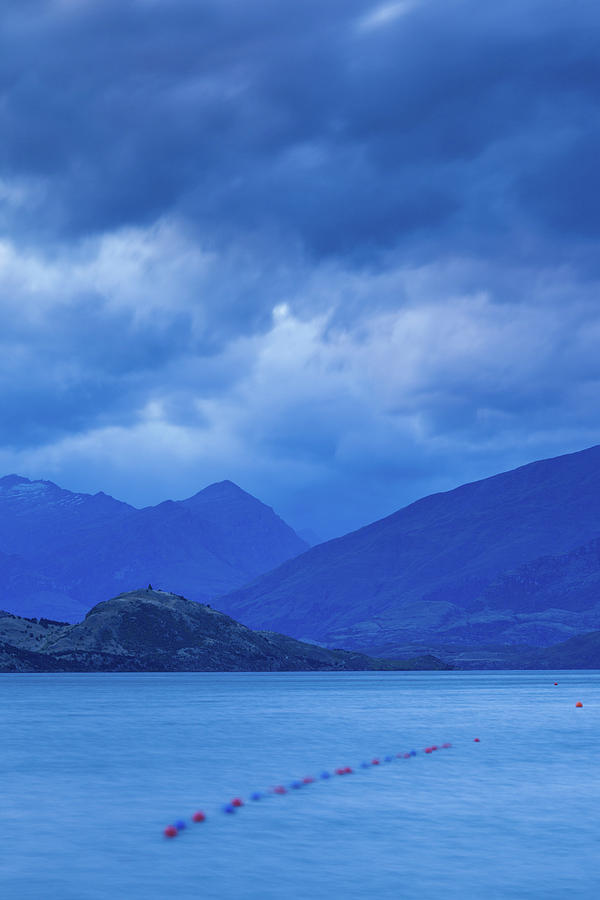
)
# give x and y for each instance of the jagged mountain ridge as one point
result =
(450, 567)
(77, 549)
(150, 630)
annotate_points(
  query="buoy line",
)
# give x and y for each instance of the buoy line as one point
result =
(230, 808)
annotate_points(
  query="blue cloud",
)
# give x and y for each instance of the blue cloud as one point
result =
(242, 117)
(415, 188)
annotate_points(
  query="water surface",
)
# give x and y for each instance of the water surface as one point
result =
(94, 766)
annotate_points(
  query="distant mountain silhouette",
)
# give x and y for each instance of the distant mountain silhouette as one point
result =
(580, 652)
(510, 559)
(61, 552)
(149, 630)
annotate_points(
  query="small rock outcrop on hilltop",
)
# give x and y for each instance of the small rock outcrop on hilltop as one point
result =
(152, 630)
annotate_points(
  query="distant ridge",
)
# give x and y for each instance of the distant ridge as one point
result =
(511, 559)
(61, 551)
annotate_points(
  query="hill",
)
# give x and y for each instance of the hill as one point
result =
(580, 652)
(61, 550)
(150, 630)
(511, 559)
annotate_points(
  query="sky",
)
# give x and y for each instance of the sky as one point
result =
(343, 254)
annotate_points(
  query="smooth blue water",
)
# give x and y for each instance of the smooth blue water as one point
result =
(94, 766)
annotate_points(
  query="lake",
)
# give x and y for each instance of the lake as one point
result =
(94, 766)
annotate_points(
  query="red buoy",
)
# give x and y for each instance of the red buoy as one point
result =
(428, 749)
(308, 780)
(237, 801)
(198, 817)
(476, 740)
(170, 831)
(279, 789)
(579, 704)
(374, 762)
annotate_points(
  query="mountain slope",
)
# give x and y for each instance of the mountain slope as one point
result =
(149, 630)
(581, 652)
(22, 587)
(78, 548)
(432, 567)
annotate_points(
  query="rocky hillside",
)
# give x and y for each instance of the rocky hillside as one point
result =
(61, 551)
(151, 630)
(511, 559)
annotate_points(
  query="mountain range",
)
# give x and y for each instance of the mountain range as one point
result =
(509, 560)
(61, 552)
(488, 570)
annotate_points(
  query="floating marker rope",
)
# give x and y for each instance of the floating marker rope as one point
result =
(173, 830)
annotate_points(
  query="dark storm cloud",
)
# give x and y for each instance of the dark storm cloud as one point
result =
(447, 122)
(302, 245)
(79, 364)
(561, 192)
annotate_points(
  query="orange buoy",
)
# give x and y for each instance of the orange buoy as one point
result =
(579, 703)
